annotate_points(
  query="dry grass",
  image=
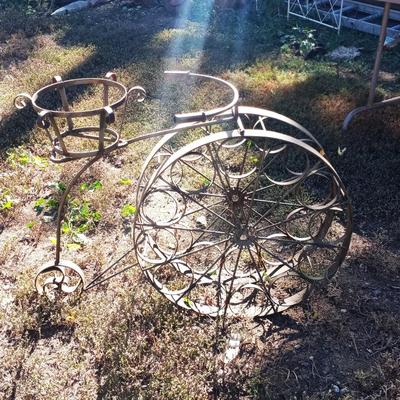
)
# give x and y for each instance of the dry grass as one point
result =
(121, 339)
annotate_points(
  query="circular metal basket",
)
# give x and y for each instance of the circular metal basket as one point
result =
(82, 133)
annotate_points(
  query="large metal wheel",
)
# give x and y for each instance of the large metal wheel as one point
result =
(243, 221)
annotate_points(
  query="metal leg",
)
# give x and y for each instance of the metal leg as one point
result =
(379, 52)
(372, 92)
(61, 207)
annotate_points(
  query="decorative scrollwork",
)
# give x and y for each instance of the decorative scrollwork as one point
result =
(257, 217)
(55, 281)
(22, 100)
(137, 93)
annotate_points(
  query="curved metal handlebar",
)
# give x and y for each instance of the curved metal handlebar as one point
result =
(203, 116)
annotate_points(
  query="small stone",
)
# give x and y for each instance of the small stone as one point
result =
(343, 53)
(201, 222)
(233, 347)
(49, 218)
(72, 7)
(336, 389)
(343, 310)
(81, 238)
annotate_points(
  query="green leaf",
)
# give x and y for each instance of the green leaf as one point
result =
(95, 186)
(7, 205)
(40, 162)
(52, 203)
(84, 211)
(128, 210)
(65, 228)
(39, 205)
(92, 186)
(266, 277)
(83, 228)
(84, 186)
(23, 159)
(125, 181)
(205, 182)
(187, 301)
(59, 186)
(96, 216)
(254, 159)
(31, 224)
(74, 246)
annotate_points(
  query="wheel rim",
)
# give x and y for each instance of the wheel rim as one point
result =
(261, 216)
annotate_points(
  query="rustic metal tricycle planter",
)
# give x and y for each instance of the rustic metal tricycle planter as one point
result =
(241, 220)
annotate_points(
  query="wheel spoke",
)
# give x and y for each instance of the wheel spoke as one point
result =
(261, 280)
(229, 293)
(242, 167)
(184, 228)
(266, 219)
(257, 181)
(288, 210)
(202, 208)
(282, 261)
(193, 284)
(262, 170)
(285, 194)
(216, 164)
(185, 255)
(319, 244)
(283, 203)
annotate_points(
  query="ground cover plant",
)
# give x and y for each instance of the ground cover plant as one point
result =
(122, 339)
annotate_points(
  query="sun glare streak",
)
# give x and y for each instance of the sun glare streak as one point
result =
(240, 36)
(185, 42)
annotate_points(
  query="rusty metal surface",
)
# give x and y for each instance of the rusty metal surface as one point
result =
(243, 219)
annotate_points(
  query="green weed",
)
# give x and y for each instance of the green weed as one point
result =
(125, 181)
(128, 210)
(301, 39)
(6, 202)
(91, 187)
(21, 158)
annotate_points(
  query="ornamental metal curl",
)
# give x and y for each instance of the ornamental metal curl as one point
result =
(242, 217)
(62, 278)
